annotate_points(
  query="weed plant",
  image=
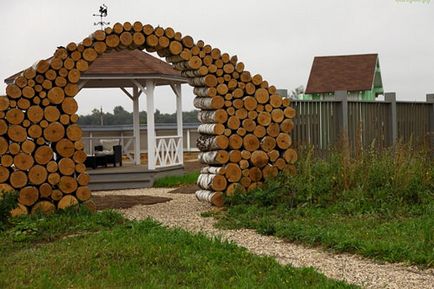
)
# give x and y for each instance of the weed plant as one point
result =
(8, 201)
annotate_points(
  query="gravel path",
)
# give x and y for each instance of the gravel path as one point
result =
(184, 211)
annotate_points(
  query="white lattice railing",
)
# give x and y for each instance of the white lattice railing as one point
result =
(168, 151)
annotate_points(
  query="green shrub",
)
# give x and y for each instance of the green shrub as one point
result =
(8, 201)
(275, 192)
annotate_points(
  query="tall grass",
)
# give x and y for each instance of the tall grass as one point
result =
(376, 203)
(386, 181)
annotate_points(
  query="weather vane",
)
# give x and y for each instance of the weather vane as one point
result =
(102, 13)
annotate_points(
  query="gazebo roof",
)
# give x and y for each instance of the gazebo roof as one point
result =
(118, 68)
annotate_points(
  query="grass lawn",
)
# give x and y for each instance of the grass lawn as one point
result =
(379, 205)
(176, 181)
(78, 250)
(395, 239)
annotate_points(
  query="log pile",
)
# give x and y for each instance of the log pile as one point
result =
(245, 131)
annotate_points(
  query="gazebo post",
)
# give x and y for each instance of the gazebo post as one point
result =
(136, 125)
(136, 121)
(176, 87)
(150, 86)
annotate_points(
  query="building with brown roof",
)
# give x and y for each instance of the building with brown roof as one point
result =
(359, 75)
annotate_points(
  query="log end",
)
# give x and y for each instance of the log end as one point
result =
(217, 199)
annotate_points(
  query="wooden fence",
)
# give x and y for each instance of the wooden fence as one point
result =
(325, 124)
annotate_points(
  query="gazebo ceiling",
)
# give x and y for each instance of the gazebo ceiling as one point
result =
(118, 68)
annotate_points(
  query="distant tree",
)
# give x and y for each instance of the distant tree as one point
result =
(143, 117)
(118, 110)
(121, 116)
(189, 116)
(164, 117)
(91, 119)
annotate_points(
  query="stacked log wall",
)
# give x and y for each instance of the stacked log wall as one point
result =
(245, 131)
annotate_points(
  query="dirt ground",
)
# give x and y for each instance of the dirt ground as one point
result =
(189, 166)
(192, 165)
(190, 189)
(125, 202)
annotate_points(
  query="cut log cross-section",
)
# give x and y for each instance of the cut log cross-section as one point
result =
(18, 179)
(67, 201)
(23, 161)
(209, 143)
(37, 174)
(83, 194)
(54, 132)
(44, 207)
(213, 116)
(65, 148)
(17, 133)
(28, 196)
(212, 182)
(212, 129)
(215, 198)
(43, 155)
(219, 157)
(4, 174)
(233, 172)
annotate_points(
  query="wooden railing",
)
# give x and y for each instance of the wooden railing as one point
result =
(168, 151)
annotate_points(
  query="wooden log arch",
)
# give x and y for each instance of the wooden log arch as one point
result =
(245, 135)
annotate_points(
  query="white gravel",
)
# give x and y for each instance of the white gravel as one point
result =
(184, 212)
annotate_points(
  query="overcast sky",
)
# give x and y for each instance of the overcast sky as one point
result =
(276, 38)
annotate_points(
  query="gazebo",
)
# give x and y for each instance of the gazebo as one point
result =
(136, 72)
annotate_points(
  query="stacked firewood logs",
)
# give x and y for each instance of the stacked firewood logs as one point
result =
(245, 130)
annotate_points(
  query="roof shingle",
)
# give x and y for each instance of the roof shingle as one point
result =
(125, 62)
(345, 72)
(130, 62)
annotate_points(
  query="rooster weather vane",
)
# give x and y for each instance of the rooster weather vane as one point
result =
(102, 13)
